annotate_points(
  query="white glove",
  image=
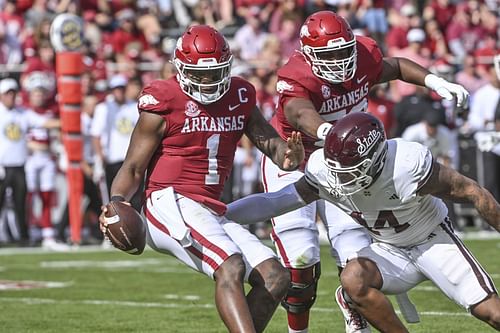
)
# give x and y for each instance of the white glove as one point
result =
(98, 170)
(447, 89)
(2, 172)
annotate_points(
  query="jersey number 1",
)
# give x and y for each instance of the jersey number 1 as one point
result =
(212, 178)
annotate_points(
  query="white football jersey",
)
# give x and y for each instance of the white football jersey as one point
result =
(389, 208)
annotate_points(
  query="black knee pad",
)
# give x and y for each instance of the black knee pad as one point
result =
(301, 296)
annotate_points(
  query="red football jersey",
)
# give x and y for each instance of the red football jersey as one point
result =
(197, 151)
(332, 101)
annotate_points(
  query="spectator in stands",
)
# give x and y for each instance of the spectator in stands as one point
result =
(440, 10)
(14, 124)
(250, 38)
(284, 8)
(468, 76)
(461, 34)
(436, 43)
(126, 33)
(416, 52)
(374, 17)
(11, 24)
(400, 23)
(289, 35)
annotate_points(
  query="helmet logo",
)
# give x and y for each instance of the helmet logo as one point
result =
(366, 144)
(325, 90)
(192, 109)
(304, 31)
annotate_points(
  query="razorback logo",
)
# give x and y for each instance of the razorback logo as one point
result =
(146, 100)
(282, 85)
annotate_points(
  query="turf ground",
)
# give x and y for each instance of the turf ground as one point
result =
(92, 290)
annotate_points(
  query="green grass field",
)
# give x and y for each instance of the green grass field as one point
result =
(109, 291)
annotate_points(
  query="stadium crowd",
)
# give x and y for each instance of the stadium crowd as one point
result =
(129, 43)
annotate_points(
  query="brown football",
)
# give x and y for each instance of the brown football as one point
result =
(126, 229)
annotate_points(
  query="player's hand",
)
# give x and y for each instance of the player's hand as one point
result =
(103, 220)
(448, 90)
(103, 224)
(294, 155)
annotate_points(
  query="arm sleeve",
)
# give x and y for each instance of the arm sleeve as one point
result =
(263, 206)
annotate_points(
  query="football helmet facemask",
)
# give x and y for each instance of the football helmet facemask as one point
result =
(328, 43)
(203, 61)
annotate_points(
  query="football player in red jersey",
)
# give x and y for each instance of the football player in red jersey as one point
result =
(328, 78)
(186, 137)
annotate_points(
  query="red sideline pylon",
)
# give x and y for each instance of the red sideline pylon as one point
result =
(69, 68)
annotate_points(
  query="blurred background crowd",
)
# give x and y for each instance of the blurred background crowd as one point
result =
(129, 43)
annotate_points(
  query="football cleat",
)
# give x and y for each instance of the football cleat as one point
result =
(354, 321)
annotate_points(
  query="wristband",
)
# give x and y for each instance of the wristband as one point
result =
(323, 130)
(117, 198)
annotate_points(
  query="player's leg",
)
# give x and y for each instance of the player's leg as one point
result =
(31, 175)
(379, 269)
(361, 282)
(207, 249)
(488, 311)
(47, 180)
(346, 239)
(295, 236)
(18, 183)
(451, 266)
(298, 250)
(268, 278)
(230, 295)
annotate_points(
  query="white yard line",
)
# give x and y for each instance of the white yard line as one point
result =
(35, 301)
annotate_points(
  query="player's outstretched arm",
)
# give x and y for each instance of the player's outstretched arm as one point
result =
(411, 72)
(286, 154)
(447, 183)
(264, 206)
(302, 115)
(146, 137)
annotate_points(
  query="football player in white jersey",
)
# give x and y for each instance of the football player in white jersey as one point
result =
(394, 189)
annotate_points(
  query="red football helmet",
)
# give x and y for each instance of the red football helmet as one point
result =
(203, 61)
(329, 44)
(355, 150)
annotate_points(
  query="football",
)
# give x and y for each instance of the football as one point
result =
(126, 229)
